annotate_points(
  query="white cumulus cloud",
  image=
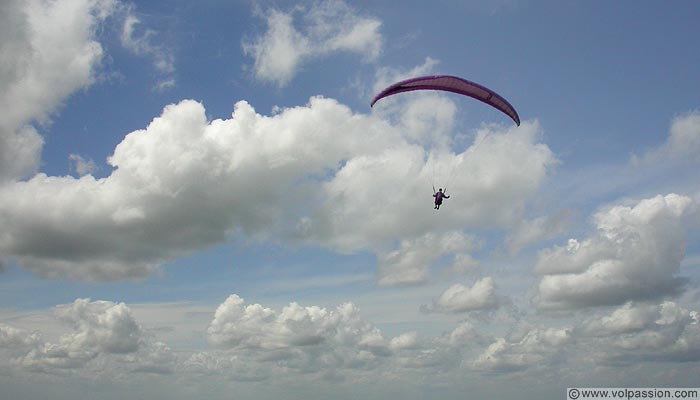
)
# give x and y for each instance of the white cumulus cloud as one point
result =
(82, 165)
(541, 228)
(101, 325)
(537, 348)
(237, 325)
(459, 298)
(325, 27)
(638, 332)
(143, 42)
(14, 339)
(102, 336)
(410, 263)
(49, 52)
(375, 199)
(317, 174)
(312, 345)
(682, 144)
(634, 254)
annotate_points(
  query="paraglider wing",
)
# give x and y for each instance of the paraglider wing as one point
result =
(451, 84)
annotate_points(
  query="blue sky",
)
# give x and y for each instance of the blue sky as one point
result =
(197, 199)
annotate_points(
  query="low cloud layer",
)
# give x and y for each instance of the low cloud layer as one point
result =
(251, 342)
(312, 339)
(101, 332)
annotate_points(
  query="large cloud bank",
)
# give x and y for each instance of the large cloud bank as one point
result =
(317, 173)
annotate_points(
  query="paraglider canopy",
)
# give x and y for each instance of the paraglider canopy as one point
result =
(451, 84)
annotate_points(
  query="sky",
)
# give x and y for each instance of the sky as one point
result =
(197, 200)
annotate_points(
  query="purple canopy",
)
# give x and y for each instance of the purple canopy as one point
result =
(455, 85)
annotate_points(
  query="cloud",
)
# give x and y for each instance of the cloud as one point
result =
(82, 165)
(278, 54)
(154, 358)
(101, 325)
(13, 338)
(179, 185)
(231, 366)
(635, 254)
(465, 335)
(537, 348)
(410, 264)
(626, 319)
(638, 332)
(542, 228)
(103, 335)
(316, 174)
(682, 144)
(385, 76)
(312, 345)
(143, 43)
(327, 27)
(493, 179)
(412, 113)
(256, 341)
(459, 298)
(237, 325)
(407, 340)
(36, 78)
(685, 134)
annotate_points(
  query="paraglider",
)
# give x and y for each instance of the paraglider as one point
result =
(452, 84)
(439, 197)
